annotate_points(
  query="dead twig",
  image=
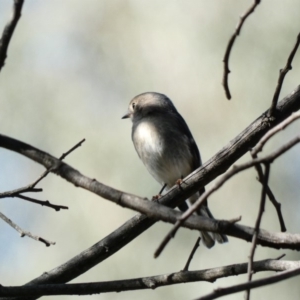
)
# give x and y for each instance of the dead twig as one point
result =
(257, 225)
(32, 187)
(259, 146)
(281, 77)
(220, 292)
(43, 203)
(230, 44)
(25, 233)
(196, 246)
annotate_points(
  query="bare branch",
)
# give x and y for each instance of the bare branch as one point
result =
(25, 233)
(271, 197)
(196, 246)
(230, 44)
(56, 165)
(31, 187)
(152, 282)
(282, 74)
(19, 190)
(220, 292)
(9, 30)
(259, 146)
(257, 225)
(43, 203)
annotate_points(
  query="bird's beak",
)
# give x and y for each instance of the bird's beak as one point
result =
(126, 116)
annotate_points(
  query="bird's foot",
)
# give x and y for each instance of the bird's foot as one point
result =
(155, 198)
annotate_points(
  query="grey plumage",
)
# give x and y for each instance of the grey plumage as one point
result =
(166, 146)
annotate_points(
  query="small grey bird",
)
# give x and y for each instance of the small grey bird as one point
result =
(166, 146)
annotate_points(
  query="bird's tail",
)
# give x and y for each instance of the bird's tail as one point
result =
(221, 238)
(208, 237)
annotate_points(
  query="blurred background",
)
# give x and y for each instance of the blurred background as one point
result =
(72, 68)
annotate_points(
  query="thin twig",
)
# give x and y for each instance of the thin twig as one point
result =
(196, 246)
(259, 146)
(18, 191)
(9, 30)
(282, 74)
(43, 203)
(235, 169)
(32, 187)
(25, 233)
(230, 44)
(257, 225)
(55, 166)
(220, 292)
(272, 198)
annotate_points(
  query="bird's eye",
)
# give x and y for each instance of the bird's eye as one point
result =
(133, 105)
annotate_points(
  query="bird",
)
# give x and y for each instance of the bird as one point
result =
(165, 145)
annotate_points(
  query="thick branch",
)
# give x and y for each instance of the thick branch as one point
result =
(152, 282)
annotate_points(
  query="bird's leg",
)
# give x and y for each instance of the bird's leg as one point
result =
(162, 189)
(155, 198)
(179, 182)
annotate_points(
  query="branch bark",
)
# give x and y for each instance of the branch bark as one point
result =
(152, 282)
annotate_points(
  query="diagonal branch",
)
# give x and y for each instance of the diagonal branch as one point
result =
(9, 30)
(281, 126)
(25, 233)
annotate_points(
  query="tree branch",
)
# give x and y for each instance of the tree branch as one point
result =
(9, 30)
(31, 187)
(220, 292)
(43, 203)
(281, 126)
(230, 45)
(152, 282)
(257, 225)
(25, 233)
(282, 74)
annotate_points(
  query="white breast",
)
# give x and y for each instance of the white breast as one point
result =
(147, 140)
(166, 163)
